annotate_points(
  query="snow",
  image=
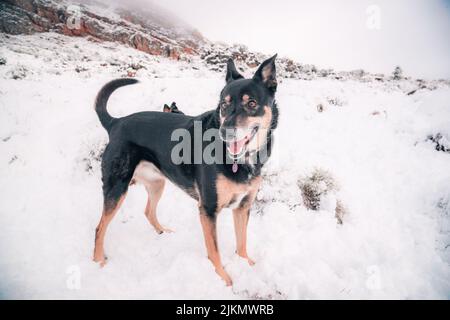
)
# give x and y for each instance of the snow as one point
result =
(394, 242)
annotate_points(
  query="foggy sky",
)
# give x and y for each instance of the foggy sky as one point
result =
(412, 33)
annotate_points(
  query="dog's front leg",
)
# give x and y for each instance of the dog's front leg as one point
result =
(210, 234)
(240, 217)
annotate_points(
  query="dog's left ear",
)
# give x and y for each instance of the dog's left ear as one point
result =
(166, 108)
(232, 73)
(267, 74)
(173, 106)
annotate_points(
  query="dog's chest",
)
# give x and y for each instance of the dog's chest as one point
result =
(236, 200)
(233, 195)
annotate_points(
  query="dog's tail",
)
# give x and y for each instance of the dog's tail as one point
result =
(103, 96)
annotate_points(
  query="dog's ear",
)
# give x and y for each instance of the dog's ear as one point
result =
(173, 106)
(166, 108)
(232, 73)
(267, 74)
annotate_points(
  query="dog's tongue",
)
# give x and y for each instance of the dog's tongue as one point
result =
(235, 147)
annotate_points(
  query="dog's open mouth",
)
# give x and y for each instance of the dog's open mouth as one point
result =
(236, 147)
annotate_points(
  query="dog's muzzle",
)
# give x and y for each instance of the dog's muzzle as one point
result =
(237, 139)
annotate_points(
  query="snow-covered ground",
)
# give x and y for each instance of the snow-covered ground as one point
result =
(372, 138)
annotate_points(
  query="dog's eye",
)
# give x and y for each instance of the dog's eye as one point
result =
(223, 106)
(252, 104)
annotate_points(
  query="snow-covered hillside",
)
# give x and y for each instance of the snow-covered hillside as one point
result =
(371, 138)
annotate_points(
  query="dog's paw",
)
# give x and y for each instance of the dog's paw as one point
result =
(225, 277)
(101, 261)
(250, 261)
(162, 230)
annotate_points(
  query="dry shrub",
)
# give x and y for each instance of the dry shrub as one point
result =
(317, 184)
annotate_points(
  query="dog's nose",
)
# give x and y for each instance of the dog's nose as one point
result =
(227, 133)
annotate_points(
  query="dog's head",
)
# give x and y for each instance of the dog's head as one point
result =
(247, 109)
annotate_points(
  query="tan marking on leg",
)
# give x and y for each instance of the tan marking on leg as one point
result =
(155, 190)
(100, 231)
(210, 235)
(241, 217)
(153, 180)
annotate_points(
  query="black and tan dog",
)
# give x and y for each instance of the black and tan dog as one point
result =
(140, 145)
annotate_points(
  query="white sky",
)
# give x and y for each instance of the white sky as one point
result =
(413, 33)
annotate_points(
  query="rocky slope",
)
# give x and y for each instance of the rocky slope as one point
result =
(152, 30)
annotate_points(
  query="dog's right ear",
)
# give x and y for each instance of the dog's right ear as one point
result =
(266, 73)
(166, 108)
(232, 73)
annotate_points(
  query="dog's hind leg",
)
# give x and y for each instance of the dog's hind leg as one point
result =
(154, 189)
(118, 164)
(153, 180)
(108, 214)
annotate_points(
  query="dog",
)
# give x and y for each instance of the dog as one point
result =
(173, 108)
(140, 151)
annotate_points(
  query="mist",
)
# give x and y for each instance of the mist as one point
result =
(345, 35)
